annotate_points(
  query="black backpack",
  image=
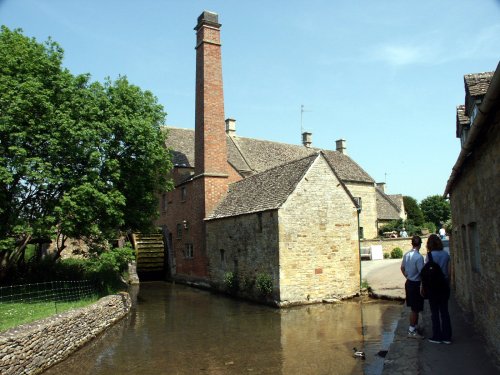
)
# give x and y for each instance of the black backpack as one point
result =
(434, 282)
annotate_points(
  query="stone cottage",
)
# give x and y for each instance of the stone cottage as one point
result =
(296, 222)
(389, 206)
(473, 192)
(249, 206)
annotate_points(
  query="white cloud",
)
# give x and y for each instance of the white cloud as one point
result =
(400, 55)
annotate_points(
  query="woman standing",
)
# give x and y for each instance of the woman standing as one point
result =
(439, 295)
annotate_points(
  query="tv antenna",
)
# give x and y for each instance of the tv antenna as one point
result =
(302, 110)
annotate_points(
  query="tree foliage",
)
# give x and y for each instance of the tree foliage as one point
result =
(78, 158)
(436, 210)
(413, 210)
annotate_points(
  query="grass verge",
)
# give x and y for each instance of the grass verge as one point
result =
(13, 314)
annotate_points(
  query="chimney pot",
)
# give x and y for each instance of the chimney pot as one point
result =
(341, 146)
(230, 126)
(208, 18)
(307, 139)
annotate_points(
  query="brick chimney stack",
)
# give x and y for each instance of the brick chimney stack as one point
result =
(210, 135)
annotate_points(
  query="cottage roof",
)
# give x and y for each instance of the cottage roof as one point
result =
(483, 124)
(250, 156)
(387, 208)
(263, 191)
(476, 86)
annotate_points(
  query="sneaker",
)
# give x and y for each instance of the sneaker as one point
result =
(434, 341)
(446, 342)
(414, 335)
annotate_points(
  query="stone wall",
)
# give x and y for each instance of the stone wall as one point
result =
(244, 245)
(32, 348)
(319, 256)
(474, 240)
(368, 216)
(388, 244)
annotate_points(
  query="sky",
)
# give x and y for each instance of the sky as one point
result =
(384, 75)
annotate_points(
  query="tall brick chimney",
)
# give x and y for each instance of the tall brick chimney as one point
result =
(210, 135)
(210, 153)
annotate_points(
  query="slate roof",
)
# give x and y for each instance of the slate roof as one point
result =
(263, 191)
(250, 156)
(387, 209)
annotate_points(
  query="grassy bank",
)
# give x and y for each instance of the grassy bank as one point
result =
(16, 313)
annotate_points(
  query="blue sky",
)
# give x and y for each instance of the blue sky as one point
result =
(385, 75)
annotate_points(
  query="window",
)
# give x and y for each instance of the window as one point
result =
(222, 257)
(361, 232)
(179, 230)
(463, 237)
(188, 251)
(475, 111)
(475, 251)
(464, 135)
(259, 222)
(358, 202)
(164, 202)
(183, 194)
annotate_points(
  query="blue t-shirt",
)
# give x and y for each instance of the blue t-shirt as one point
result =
(413, 262)
(442, 258)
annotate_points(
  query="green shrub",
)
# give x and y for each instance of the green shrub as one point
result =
(430, 226)
(104, 270)
(387, 255)
(448, 226)
(394, 225)
(230, 281)
(264, 284)
(396, 253)
(366, 286)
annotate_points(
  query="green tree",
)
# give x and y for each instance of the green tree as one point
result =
(436, 210)
(413, 210)
(78, 158)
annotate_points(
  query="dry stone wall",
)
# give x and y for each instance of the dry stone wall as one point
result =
(32, 348)
(388, 244)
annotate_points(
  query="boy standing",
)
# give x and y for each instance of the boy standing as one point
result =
(412, 264)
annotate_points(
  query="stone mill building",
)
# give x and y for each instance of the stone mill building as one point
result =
(246, 207)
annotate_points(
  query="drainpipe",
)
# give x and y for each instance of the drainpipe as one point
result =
(358, 210)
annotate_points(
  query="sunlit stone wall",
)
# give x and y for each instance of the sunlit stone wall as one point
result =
(318, 240)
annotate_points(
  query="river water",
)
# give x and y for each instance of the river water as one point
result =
(174, 329)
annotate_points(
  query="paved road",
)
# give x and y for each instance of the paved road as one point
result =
(384, 278)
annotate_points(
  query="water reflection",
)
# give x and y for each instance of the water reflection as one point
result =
(174, 329)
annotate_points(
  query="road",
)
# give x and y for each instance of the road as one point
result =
(384, 277)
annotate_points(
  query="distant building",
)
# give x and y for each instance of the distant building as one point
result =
(248, 207)
(389, 207)
(473, 190)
